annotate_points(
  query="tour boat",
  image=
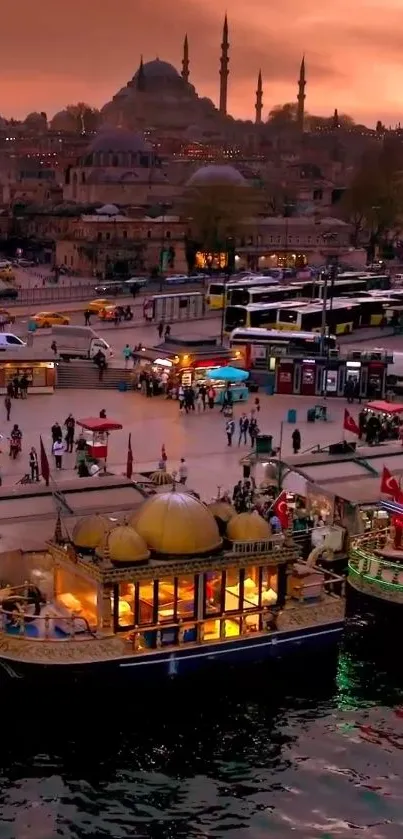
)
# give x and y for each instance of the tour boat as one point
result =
(375, 566)
(175, 586)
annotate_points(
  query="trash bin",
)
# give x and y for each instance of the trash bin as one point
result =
(269, 389)
(264, 443)
(122, 387)
(311, 415)
(292, 415)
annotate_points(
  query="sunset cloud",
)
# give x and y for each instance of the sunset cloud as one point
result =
(55, 53)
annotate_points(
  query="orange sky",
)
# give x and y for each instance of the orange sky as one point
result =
(54, 52)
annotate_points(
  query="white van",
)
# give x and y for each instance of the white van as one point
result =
(8, 341)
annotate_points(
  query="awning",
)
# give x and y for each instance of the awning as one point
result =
(385, 407)
(392, 507)
(99, 424)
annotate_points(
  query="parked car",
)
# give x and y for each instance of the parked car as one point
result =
(45, 319)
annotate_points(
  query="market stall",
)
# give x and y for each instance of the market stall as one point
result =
(96, 442)
(229, 384)
(381, 420)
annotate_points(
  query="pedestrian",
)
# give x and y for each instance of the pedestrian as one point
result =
(296, 440)
(16, 387)
(102, 413)
(58, 449)
(7, 405)
(253, 431)
(87, 317)
(160, 329)
(257, 404)
(211, 397)
(10, 389)
(183, 471)
(167, 332)
(24, 386)
(70, 426)
(127, 354)
(243, 429)
(53, 347)
(33, 464)
(230, 429)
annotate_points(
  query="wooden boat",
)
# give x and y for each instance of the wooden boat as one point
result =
(164, 594)
(375, 566)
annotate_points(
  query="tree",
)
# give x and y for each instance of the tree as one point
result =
(85, 117)
(216, 215)
(282, 116)
(374, 200)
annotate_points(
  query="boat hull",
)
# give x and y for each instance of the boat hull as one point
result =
(184, 660)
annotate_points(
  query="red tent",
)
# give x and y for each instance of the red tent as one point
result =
(100, 425)
(385, 407)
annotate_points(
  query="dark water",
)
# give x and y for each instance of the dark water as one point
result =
(315, 752)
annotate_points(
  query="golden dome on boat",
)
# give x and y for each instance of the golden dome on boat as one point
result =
(248, 527)
(177, 523)
(90, 531)
(222, 510)
(161, 478)
(123, 544)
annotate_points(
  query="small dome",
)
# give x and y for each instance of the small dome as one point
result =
(248, 527)
(108, 210)
(89, 532)
(161, 478)
(217, 176)
(124, 545)
(115, 140)
(177, 523)
(158, 70)
(222, 510)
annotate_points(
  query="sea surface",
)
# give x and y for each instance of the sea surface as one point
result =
(313, 750)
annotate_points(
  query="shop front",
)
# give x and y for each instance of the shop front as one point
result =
(38, 368)
(316, 376)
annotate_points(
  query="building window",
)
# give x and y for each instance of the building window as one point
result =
(213, 593)
(99, 236)
(232, 590)
(125, 606)
(125, 234)
(148, 234)
(168, 234)
(185, 597)
(107, 235)
(145, 603)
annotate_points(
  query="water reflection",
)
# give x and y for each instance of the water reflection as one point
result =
(316, 749)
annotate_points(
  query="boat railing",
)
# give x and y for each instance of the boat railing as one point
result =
(364, 562)
(257, 546)
(20, 623)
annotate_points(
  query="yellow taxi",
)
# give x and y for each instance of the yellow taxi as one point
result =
(97, 305)
(45, 319)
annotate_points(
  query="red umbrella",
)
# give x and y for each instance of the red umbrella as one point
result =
(129, 463)
(45, 470)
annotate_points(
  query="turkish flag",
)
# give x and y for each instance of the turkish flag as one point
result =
(390, 486)
(280, 509)
(129, 462)
(45, 470)
(350, 424)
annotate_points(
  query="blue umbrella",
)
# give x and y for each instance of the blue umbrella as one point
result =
(229, 374)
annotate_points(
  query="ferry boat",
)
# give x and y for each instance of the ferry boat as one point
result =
(375, 566)
(177, 585)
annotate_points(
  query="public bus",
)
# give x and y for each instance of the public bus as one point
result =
(342, 316)
(216, 291)
(372, 309)
(258, 346)
(372, 281)
(256, 315)
(241, 295)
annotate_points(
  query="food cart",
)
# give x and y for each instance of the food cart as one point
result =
(229, 380)
(98, 430)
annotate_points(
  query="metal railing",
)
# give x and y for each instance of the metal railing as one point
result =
(17, 623)
(369, 566)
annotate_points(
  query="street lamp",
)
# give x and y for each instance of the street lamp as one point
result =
(226, 278)
(327, 239)
(287, 206)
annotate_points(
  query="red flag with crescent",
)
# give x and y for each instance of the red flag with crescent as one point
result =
(390, 486)
(280, 509)
(350, 424)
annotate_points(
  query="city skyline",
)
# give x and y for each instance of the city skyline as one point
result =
(90, 48)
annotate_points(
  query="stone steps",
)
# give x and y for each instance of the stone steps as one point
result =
(84, 374)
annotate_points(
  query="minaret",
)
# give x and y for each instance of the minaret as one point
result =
(301, 96)
(335, 119)
(259, 99)
(224, 72)
(140, 76)
(185, 60)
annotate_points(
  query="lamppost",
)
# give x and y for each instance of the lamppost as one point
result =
(226, 278)
(287, 206)
(327, 239)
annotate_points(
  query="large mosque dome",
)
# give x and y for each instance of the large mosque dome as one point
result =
(217, 176)
(157, 70)
(117, 141)
(176, 523)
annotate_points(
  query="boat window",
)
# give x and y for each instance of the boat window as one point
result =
(126, 605)
(166, 600)
(77, 595)
(269, 586)
(251, 588)
(146, 603)
(213, 581)
(232, 603)
(186, 597)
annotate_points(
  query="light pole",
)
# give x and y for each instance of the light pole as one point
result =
(287, 206)
(327, 237)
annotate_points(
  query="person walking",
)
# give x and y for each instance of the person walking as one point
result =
(183, 471)
(58, 449)
(127, 354)
(230, 430)
(70, 426)
(33, 464)
(87, 317)
(160, 329)
(296, 440)
(7, 405)
(243, 429)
